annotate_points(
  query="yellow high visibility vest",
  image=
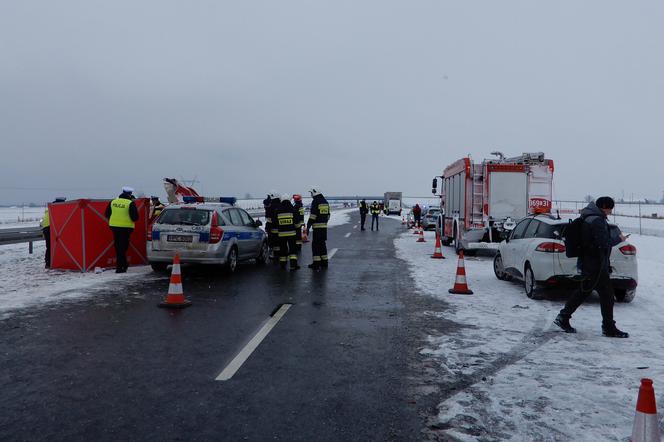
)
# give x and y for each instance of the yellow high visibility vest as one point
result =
(46, 222)
(120, 213)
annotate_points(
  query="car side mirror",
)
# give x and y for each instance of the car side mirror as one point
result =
(434, 186)
(258, 223)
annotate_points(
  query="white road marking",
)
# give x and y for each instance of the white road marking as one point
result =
(355, 226)
(248, 349)
(348, 234)
(331, 254)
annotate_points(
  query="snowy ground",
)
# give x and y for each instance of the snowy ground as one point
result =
(520, 378)
(25, 283)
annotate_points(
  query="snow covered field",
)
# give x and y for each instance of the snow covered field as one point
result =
(25, 283)
(520, 378)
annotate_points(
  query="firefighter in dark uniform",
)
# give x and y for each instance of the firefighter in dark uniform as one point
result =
(375, 211)
(268, 220)
(319, 215)
(273, 232)
(299, 221)
(122, 214)
(46, 231)
(285, 216)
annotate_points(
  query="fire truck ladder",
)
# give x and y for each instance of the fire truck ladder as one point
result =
(477, 209)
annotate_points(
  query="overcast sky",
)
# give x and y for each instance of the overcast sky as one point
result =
(353, 96)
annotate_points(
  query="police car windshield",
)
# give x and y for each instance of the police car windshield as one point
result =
(187, 217)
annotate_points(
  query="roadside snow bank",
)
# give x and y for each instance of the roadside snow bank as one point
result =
(517, 376)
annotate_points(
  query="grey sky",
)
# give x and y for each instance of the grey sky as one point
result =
(354, 96)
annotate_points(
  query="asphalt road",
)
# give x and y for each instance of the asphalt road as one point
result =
(342, 364)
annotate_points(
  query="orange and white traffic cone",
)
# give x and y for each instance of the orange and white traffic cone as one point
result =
(438, 249)
(305, 237)
(646, 427)
(175, 298)
(460, 285)
(421, 233)
(403, 220)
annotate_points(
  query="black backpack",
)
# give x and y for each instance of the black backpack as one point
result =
(573, 238)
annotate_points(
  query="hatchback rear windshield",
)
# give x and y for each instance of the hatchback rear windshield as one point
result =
(547, 230)
(187, 217)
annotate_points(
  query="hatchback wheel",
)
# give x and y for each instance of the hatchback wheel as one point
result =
(231, 262)
(498, 267)
(623, 295)
(530, 283)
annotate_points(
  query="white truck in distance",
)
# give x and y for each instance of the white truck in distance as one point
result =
(481, 202)
(392, 203)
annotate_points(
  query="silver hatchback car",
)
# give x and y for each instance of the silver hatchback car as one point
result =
(206, 233)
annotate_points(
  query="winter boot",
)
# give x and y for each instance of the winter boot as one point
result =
(563, 323)
(612, 331)
(314, 266)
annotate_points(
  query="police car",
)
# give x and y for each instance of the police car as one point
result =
(206, 233)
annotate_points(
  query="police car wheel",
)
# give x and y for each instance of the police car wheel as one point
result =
(231, 262)
(159, 266)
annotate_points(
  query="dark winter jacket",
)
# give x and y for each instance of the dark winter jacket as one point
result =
(285, 219)
(597, 241)
(364, 209)
(272, 212)
(319, 214)
(299, 214)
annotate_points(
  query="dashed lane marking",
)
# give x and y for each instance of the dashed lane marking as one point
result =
(355, 226)
(331, 254)
(348, 234)
(248, 349)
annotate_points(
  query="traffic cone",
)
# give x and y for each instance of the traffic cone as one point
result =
(460, 285)
(646, 427)
(175, 297)
(438, 250)
(416, 230)
(403, 220)
(305, 237)
(421, 233)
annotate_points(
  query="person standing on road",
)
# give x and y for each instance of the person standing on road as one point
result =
(417, 214)
(285, 216)
(46, 231)
(319, 215)
(299, 220)
(364, 209)
(122, 214)
(273, 230)
(595, 267)
(375, 211)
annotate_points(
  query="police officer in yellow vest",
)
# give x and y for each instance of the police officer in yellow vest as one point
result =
(157, 208)
(46, 231)
(122, 214)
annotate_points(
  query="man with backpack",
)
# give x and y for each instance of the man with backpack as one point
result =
(590, 240)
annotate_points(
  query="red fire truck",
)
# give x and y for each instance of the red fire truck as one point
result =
(481, 202)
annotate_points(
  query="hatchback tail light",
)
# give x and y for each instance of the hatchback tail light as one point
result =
(628, 250)
(216, 232)
(551, 247)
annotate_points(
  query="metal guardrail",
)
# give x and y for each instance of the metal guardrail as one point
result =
(21, 234)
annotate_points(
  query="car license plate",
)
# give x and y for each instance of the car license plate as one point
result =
(180, 238)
